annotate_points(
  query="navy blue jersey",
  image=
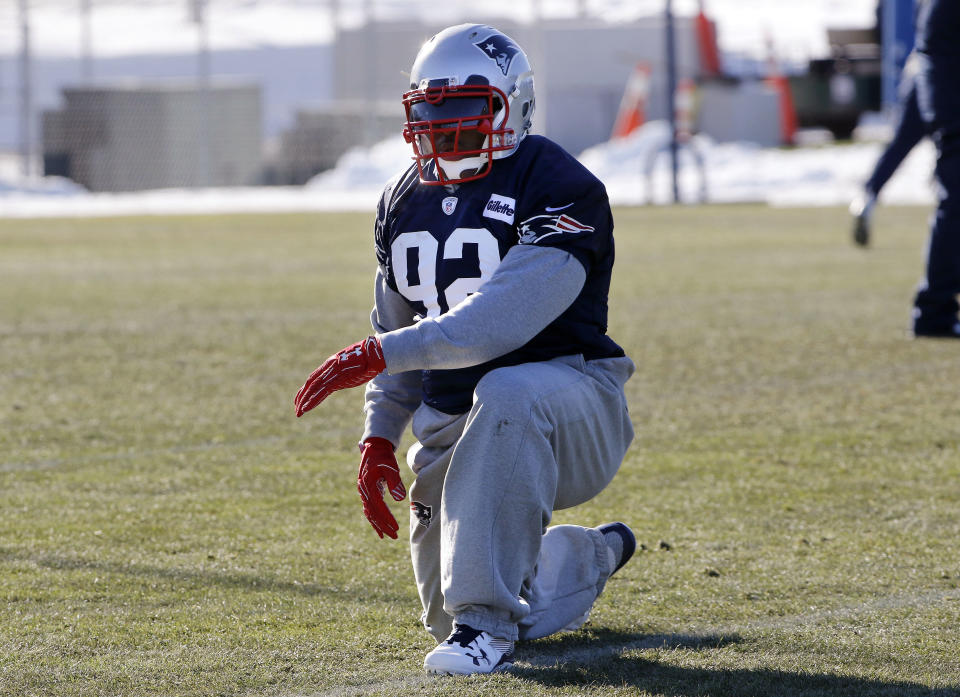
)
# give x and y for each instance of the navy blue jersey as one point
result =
(938, 28)
(435, 246)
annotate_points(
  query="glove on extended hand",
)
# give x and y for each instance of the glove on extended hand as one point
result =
(378, 466)
(350, 367)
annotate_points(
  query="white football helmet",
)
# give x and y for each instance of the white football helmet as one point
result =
(470, 102)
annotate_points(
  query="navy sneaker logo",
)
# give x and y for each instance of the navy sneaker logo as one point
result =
(477, 659)
(499, 48)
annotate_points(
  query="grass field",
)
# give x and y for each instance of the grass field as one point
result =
(167, 527)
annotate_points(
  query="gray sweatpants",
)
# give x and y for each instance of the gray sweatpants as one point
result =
(540, 437)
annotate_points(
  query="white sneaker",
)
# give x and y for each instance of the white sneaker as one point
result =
(468, 650)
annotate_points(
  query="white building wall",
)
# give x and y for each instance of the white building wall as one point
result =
(580, 68)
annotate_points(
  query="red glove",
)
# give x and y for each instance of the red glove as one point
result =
(378, 466)
(350, 367)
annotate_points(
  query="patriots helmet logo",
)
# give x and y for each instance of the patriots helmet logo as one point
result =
(499, 48)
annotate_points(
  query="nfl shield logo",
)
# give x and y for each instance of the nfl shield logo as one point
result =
(449, 204)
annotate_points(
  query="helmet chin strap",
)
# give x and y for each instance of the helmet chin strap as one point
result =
(455, 169)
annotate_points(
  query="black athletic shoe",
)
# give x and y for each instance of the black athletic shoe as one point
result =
(940, 332)
(861, 230)
(861, 209)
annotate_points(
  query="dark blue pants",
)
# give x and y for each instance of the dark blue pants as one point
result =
(909, 130)
(938, 93)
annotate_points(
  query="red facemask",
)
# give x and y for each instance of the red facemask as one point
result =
(452, 128)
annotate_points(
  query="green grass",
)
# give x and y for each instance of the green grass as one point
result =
(167, 527)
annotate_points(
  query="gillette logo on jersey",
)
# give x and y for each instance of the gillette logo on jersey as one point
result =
(498, 48)
(501, 208)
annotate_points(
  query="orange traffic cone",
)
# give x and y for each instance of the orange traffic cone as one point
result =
(779, 82)
(707, 43)
(633, 106)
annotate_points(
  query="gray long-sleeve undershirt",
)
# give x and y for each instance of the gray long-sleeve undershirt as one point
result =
(531, 288)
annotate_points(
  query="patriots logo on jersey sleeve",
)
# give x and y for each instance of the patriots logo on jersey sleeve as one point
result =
(498, 48)
(539, 227)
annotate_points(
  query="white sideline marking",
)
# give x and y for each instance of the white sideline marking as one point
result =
(410, 682)
(690, 635)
